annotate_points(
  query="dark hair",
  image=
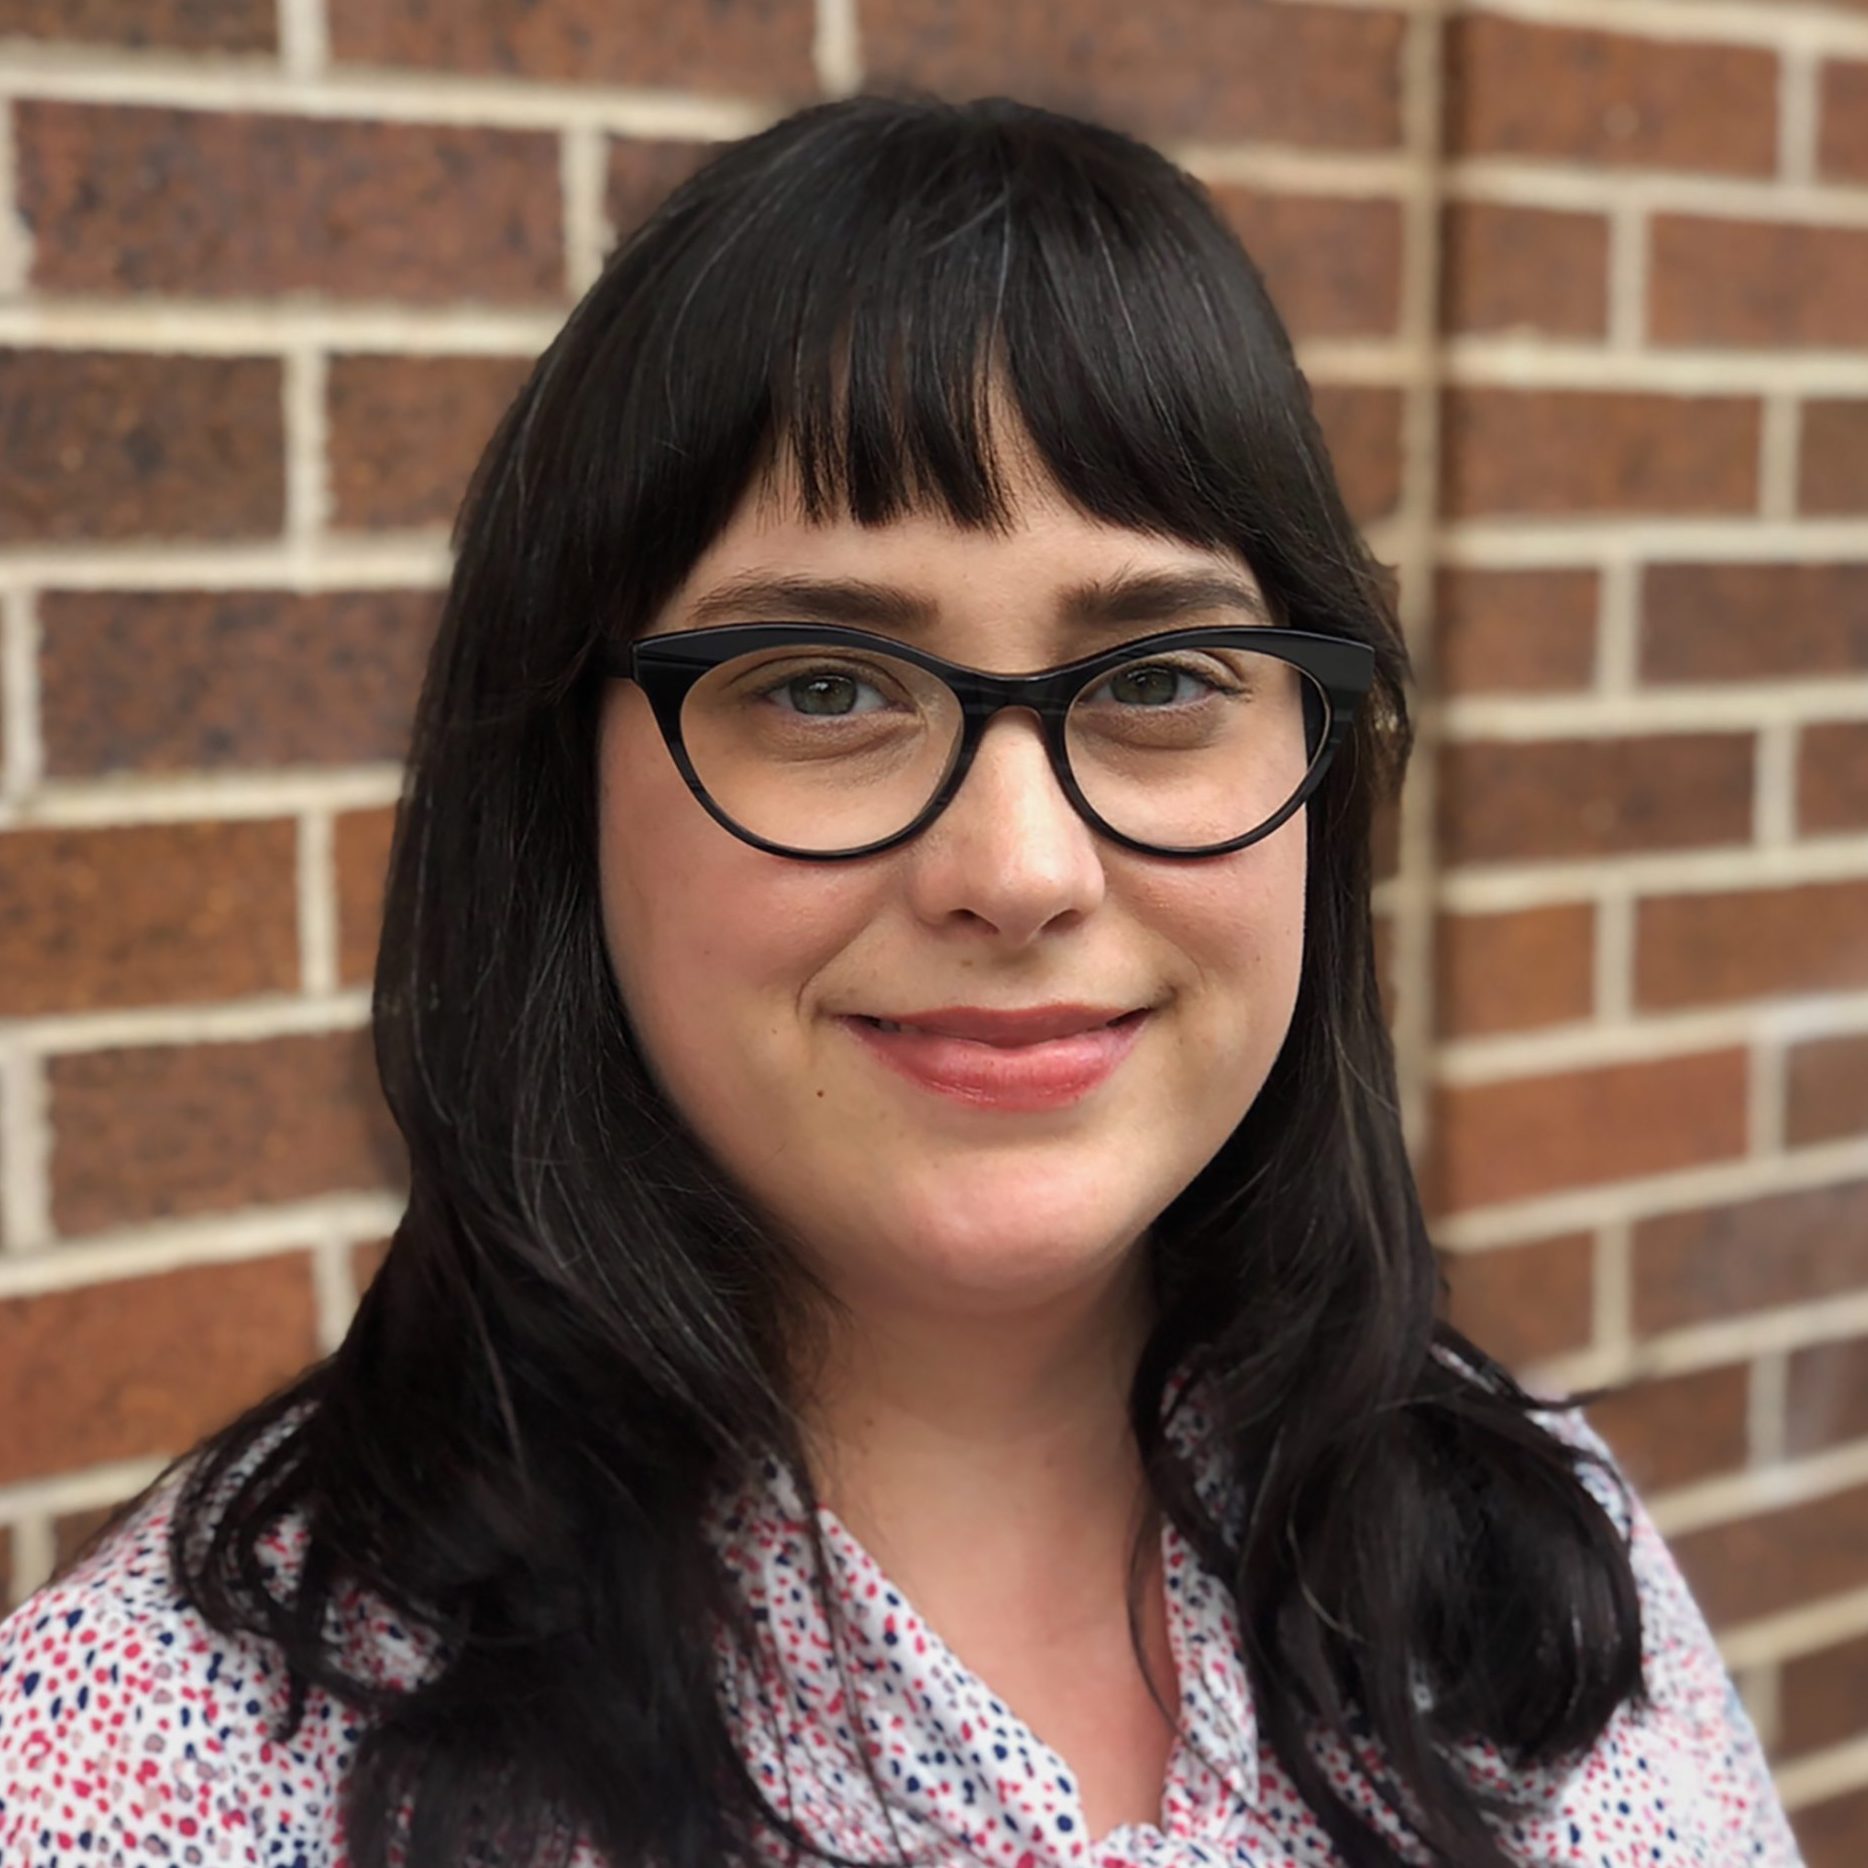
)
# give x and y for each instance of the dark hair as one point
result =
(582, 1327)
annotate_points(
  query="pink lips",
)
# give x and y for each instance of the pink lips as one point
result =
(1045, 1057)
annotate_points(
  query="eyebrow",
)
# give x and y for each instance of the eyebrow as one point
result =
(1109, 602)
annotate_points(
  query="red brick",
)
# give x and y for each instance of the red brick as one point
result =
(1550, 451)
(1832, 470)
(1832, 776)
(1510, 631)
(1829, 1834)
(204, 204)
(1508, 268)
(176, 25)
(202, 680)
(1515, 970)
(1826, 1399)
(1516, 88)
(1520, 801)
(1318, 77)
(1746, 622)
(102, 445)
(1677, 1428)
(1718, 948)
(1822, 1699)
(1842, 144)
(1726, 1261)
(1362, 429)
(1524, 1303)
(405, 433)
(1779, 1559)
(760, 46)
(163, 1130)
(361, 850)
(1826, 1089)
(1751, 283)
(642, 173)
(1525, 1136)
(146, 914)
(140, 1368)
(1333, 265)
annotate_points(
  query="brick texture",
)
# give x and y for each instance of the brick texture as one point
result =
(361, 846)
(1823, 1697)
(1505, 800)
(146, 914)
(1724, 1261)
(179, 25)
(1832, 777)
(1842, 147)
(1766, 1564)
(729, 45)
(198, 680)
(1535, 1135)
(137, 1368)
(1832, 472)
(1517, 88)
(1514, 970)
(1827, 1395)
(1678, 1428)
(1758, 282)
(1537, 452)
(640, 174)
(101, 445)
(1524, 1303)
(1830, 1833)
(193, 203)
(1507, 632)
(1713, 949)
(165, 1130)
(1743, 622)
(1826, 1089)
(1362, 427)
(405, 433)
(1333, 266)
(1509, 268)
(1278, 73)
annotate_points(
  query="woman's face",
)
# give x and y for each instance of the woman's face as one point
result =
(747, 976)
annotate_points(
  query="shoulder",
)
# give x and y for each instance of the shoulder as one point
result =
(130, 1727)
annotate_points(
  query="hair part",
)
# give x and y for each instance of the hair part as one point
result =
(582, 1328)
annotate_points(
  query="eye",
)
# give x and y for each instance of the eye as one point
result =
(1162, 684)
(823, 693)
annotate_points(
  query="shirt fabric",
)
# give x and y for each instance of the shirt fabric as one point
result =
(132, 1734)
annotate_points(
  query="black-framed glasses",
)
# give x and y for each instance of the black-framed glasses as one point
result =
(825, 743)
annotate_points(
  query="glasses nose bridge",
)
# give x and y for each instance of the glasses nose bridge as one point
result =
(985, 698)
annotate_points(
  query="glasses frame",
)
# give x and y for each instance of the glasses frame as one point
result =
(666, 667)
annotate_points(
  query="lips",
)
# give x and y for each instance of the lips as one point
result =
(1037, 1024)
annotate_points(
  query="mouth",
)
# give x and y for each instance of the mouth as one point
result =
(1007, 1030)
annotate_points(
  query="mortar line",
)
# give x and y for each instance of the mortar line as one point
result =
(836, 47)
(317, 904)
(20, 646)
(25, 1150)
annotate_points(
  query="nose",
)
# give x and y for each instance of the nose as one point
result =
(1010, 849)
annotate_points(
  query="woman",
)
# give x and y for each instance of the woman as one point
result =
(913, 1335)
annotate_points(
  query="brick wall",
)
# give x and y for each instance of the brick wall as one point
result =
(1583, 287)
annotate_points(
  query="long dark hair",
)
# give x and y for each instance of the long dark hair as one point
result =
(581, 1327)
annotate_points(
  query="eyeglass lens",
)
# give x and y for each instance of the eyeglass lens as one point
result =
(824, 750)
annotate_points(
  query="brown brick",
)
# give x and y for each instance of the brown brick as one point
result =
(1318, 77)
(761, 46)
(1333, 266)
(187, 680)
(1518, 801)
(1749, 283)
(1677, 1428)
(1832, 471)
(1826, 1399)
(1515, 88)
(642, 172)
(1829, 1834)
(1362, 428)
(1562, 451)
(405, 433)
(139, 1368)
(146, 914)
(1515, 970)
(204, 204)
(1823, 1699)
(1745, 622)
(1832, 776)
(1524, 1303)
(1826, 1089)
(1779, 1559)
(1541, 270)
(1716, 948)
(1725, 1261)
(1513, 1139)
(178, 25)
(1842, 145)
(163, 1130)
(101, 445)
(361, 851)
(1510, 631)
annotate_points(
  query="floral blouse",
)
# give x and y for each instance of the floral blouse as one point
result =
(132, 1735)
